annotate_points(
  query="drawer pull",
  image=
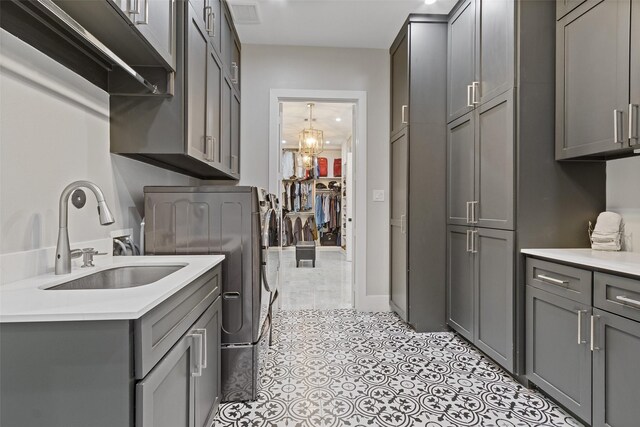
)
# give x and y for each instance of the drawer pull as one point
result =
(628, 301)
(231, 295)
(552, 280)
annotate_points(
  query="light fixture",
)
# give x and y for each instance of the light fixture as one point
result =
(310, 140)
(284, 142)
(338, 119)
(327, 142)
(429, 1)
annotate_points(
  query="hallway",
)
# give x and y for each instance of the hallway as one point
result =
(342, 367)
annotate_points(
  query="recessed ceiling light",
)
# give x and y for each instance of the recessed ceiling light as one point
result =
(338, 119)
(327, 142)
(429, 1)
(284, 142)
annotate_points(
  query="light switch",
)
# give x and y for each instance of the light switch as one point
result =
(378, 195)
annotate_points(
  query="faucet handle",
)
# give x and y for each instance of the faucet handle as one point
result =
(87, 256)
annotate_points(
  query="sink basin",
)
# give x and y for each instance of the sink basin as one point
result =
(120, 277)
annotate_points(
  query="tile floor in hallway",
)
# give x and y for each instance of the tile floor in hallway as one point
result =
(339, 367)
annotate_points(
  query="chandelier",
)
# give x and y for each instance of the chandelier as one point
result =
(310, 141)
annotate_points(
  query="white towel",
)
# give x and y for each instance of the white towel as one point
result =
(607, 234)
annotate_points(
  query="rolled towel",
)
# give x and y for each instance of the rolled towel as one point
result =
(607, 234)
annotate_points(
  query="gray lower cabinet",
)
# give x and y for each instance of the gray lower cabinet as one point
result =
(460, 281)
(615, 371)
(558, 353)
(480, 292)
(162, 369)
(583, 350)
(592, 80)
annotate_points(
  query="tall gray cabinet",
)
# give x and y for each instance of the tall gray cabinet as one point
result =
(418, 141)
(197, 130)
(504, 189)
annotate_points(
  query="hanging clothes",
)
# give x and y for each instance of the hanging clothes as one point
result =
(288, 164)
(297, 231)
(288, 232)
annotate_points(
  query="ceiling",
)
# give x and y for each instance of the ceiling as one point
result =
(295, 117)
(332, 23)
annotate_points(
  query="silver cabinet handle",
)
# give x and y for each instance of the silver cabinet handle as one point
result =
(404, 114)
(474, 97)
(469, 240)
(135, 10)
(207, 17)
(196, 336)
(628, 301)
(580, 340)
(469, 96)
(203, 332)
(145, 20)
(474, 242)
(552, 280)
(235, 67)
(468, 214)
(213, 23)
(403, 229)
(209, 148)
(593, 333)
(474, 212)
(633, 124)
(617, 127)
(234, 163)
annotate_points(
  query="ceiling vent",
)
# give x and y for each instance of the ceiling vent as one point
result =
(245, 12)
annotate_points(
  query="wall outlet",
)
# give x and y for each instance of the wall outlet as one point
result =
(378, 195)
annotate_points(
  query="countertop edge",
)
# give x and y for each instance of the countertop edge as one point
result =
(624, 263)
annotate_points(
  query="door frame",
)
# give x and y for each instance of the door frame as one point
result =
(361, 301)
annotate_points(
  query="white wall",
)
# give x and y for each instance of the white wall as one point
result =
(54, 129)
(623, 197)
(289, 67)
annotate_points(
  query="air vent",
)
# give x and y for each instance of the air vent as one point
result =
(245, 12)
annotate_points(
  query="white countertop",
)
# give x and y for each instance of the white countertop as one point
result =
(620, 262)
(29, 301)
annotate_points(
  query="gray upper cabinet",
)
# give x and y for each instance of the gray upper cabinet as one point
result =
(461, 70)
(592, 80)
(156, 21)
(193, 131)
(634, 102)
(461, 169)
(494, 276)
(230, 50)
(460, 281)
(400, 85)
(615, 371)
(558, 350)
(494, 48)
(493, 204)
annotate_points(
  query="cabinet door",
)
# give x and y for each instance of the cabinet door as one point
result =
(615, 370)
(399, 224)
(558, 353)
(214, 80)
(592, 78)
(227, 43)
(235, 63)
(461, 60)
(460, 169)
(634, 109)
(235, 133)
(197, 59)
(207, 387)
(400, 84)
(495, 40)
(460, 288)
(495, 283)
(495, 159)
(157, 23)
(225, 123)
(164, 398)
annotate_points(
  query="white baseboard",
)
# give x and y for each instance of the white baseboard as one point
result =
(377, 303)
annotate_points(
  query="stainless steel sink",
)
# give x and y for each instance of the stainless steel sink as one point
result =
(120, 277)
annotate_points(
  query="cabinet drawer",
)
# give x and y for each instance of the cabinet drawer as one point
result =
(569, 282)
(157, 331)
(618, 295)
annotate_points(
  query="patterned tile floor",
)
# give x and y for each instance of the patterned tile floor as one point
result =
(347, 368)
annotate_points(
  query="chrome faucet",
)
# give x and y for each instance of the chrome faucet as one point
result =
(63, 250)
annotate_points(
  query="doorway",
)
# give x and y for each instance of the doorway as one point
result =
(330, 180)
